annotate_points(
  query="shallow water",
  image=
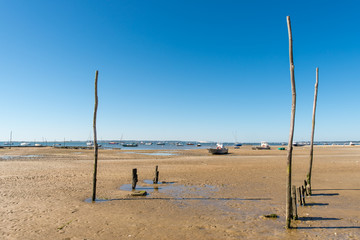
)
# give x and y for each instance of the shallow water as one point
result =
(10, 157)
(152, 154)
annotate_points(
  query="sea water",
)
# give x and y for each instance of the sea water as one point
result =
(168, 145)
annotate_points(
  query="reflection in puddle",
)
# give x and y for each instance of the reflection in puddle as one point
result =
(10, 157)
(151, 182)
(128, 187)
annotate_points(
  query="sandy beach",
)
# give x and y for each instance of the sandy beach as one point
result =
(45, 194)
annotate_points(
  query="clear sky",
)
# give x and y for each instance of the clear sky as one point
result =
(178, 70)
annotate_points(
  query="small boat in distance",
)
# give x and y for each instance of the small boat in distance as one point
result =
(88, 143)
(24, 144)
(198, 145)
(160, 143)
(352, 144)
(130, 145)
(189, 143)
(263, 146)
(113, 143)
(148, 143)
(297, 144)
(179, 144)
(220, 149)
(237, 144)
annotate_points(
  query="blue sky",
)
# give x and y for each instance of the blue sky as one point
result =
(178, 70)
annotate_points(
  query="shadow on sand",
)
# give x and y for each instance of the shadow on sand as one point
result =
(142, 198)
(316, 204)
(344, 189)
(344, 227)
(317, 219)
(324, 194)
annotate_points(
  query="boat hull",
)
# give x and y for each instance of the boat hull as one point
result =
(218, 151)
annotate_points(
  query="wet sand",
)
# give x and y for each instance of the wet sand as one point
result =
(44, 190)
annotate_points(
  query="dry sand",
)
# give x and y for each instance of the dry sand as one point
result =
(44, 190)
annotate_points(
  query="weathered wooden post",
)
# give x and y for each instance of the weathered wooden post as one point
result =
(308, 176)
(156, 178)
(95, 139)
(303, 195)
(134, 178)
(10, 139)
(294, 207)
(300, 196)
(306, 186)
(292, 123)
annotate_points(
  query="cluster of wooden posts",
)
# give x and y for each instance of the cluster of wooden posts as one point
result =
(135, 177)
(305, 190)
(298, 197)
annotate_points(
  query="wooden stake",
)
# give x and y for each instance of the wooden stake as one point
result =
(156, 178)
(292, 123)
(134, 178)
(305, 187)
(10, 139)
(308, 176)
(294, 207)
(303, 195)
(95, 140)
(300, 196)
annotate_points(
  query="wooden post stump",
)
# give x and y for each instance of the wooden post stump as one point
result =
(306, 188)
(156, 178)
(303, 195)
(300, 196)
(134, 178)
(294, 207)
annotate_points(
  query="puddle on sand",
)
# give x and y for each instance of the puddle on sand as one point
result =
(152, 154)
(10, 157)
(173, 190)
(128, 187)
(151, 182)
(160, 154)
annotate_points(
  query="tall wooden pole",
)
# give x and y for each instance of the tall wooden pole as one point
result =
(292, 123)
(308, 176)
(95, 140)
(10, 139)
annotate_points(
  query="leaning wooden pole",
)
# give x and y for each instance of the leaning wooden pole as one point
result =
(95, 139)
(308, 176)
(292, 123)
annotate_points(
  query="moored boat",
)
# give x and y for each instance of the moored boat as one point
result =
(219, 149)
(130, 145)
(263, 146)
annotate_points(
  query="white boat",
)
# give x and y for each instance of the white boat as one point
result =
(219, 149)
(38, 145)
(297, 144)
(263, 146)
(352, 144)
(148, 143)
(89, 143)
(24, 144)
(179, 144)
